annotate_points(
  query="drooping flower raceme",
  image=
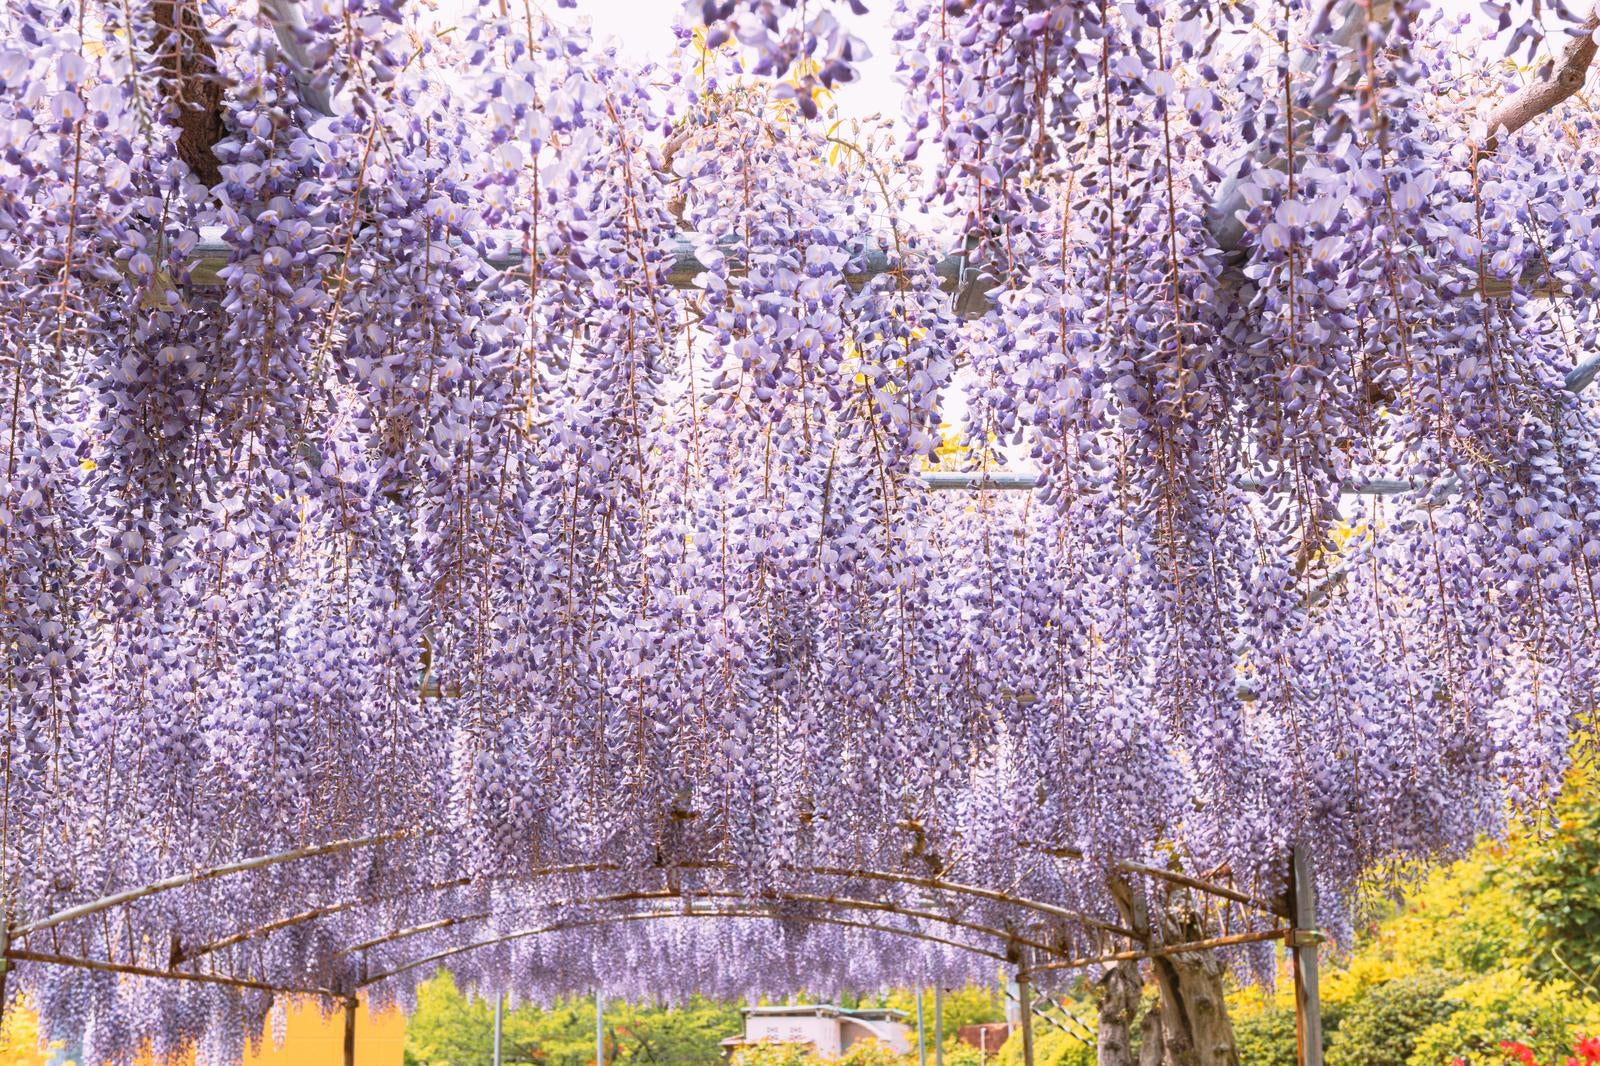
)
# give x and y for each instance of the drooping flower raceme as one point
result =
(461, 438)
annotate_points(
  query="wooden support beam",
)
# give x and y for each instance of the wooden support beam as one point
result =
(1025, 1015)
(315, 913)
(414, 930)
(976, 891)
(268, 928)
(743, 898)
(350, 1031)
(5, 961)
(1208, 887)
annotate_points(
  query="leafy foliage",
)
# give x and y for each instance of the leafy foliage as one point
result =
(1266, 1036)
(1385, 1026)
(1051, 1047)
(768, 1053)
(449, 1029)
(1467, 957)
(1483, 1012)
(19, 1039)
(1558, 891)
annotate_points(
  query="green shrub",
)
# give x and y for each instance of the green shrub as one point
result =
(1382, 1027)
(1051, 1047)
(1265, 1036)
(958, 1054)
(1558, 886)
(1505, 1006)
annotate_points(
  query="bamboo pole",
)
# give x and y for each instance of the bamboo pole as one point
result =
(938, 1024)
(599, 1028)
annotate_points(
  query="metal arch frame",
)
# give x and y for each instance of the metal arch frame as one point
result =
(846, 902)
(183, 955)
(1300, 935)
(135, 970)
(334, 847)
(638, 916)
(258, 862)
(316, 913)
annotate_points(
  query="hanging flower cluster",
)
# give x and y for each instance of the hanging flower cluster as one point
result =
(456, 443)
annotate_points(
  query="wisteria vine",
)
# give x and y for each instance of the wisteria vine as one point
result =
(442, 432)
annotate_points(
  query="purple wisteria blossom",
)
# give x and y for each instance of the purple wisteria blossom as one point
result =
(458, 442)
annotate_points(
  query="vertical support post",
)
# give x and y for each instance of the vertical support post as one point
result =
(5, 963)
(599, 1028)
(938, 1025)
(1025, 1015)
(350, 1031)
(1303, 940)
(499, 1006)
(922, 1043)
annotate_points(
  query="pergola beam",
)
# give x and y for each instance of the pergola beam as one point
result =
(1005, 936)
(936, 884)
(639, 916)
(1208, 887)
(259, 862)
(104, 966)
(1162, 951)
(315, 913)
(190, 954)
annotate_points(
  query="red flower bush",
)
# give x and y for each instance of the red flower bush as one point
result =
(1586, 1052)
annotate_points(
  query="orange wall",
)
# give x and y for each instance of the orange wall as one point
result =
(315, 1041)
(310, 1040)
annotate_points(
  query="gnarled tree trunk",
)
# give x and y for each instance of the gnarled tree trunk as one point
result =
(1119, 1002)
(1192, 1025)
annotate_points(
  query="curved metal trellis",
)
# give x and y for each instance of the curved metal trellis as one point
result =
(261, 862)
(1300, 935)
(578, 923)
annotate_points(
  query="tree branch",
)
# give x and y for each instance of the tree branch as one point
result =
(1554, 83)
(293, 36)
(189, 62)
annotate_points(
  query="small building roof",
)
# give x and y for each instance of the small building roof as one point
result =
(824, 1010)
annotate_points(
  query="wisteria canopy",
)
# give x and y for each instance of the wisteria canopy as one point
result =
(479, 487)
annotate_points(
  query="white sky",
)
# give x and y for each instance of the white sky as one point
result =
(642, 29)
